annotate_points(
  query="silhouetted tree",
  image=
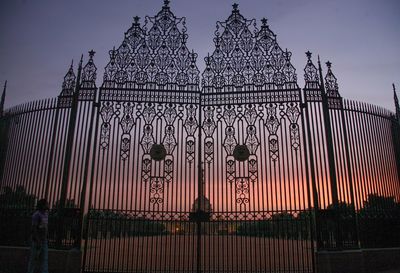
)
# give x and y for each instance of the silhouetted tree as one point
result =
(16, 207)
(17, 199)
(379, 222)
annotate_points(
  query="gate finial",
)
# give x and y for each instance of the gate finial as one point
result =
(89, 72)
(3, 98)
(331, 85)
(68, 84)
(310, 73)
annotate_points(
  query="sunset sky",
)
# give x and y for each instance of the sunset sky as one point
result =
(40, 38)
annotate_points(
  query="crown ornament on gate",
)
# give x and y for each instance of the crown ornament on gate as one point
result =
(154, 56)
(247, 58)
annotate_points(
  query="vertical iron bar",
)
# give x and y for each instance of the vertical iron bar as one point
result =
(331, 158)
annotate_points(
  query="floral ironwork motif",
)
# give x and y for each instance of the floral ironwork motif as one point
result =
(154, 54)
(272, 123)
(190, 125)
(106, 113)
(127, 122)
(247, 56)
(293, 113)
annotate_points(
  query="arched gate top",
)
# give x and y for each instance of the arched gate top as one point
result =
(247, 58)
(154, 56)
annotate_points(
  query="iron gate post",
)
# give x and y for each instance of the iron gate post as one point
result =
(67, 158)
(331, 159)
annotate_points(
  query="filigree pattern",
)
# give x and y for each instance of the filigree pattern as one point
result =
(156, 190)
(311, 73)
(331, 85)
(149, 112)
(169, 140)
(293, 113)
(271, 121)
(190, 124)
(126, 123)
(146, 168)
(154, 55)
(190, 148)
(168, 169)
(68, 84)
(106, 113)
(170, 113)
(250, 114)
(253, 169)
(230, 169)
(125, 146)
(147, 140)
(251, 141)
(273, 147)
(209, 150)
(89, 73)
(230, 140)
(229, 115)
(246, 55)
(242, 190)
(209, 123)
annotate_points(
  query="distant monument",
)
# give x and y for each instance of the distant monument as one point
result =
(202, 209)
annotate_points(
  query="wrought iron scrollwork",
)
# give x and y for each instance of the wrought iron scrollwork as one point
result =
(331, 85)
(332, 89)
(247, 56)
(127, 122)
(242, 190)
(154, 55)
(106, 113)
(293, 113)
(311, 73)
(69, 82)
(89, 73)
(272, 123)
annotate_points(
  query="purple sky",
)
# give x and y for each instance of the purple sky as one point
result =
(38, 38)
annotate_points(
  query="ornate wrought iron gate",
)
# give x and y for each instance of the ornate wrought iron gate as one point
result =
(185, 180)
(249, 173)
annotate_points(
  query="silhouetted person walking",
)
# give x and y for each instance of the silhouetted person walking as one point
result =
(38, 261)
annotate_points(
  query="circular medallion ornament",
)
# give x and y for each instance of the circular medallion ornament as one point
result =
(158, 152)
(241, 152)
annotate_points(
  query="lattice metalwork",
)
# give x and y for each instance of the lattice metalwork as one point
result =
(154, 56)
(246, 57)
